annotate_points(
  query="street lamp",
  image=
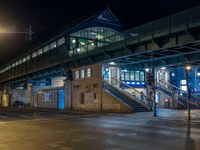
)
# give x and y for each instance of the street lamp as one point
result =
(188, 68)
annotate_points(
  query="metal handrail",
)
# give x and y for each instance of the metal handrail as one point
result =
(179, 89)
(128, 86)
(120, 82)
(128, 94)
(197, 99)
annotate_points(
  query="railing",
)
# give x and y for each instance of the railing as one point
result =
(175, 23)
(139, 97)
(193, 99)
(170, 24)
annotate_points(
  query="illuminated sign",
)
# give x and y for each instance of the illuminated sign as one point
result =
(136, 83)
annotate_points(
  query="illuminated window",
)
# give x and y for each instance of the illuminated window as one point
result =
(61, 41)
(46, 48)
(76, 74)
(141, 76)
(122, 75)
(34, 54)
(24, 59)
(20, 61)
(127, 76)
(132, 75)
(88, 72)
(137, 76)
(28, 57)
(53, 45)
(39, 51)
(82, 73)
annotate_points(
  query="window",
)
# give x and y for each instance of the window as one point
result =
(16, 63)
(82, 98)
(127, 76)
(88, 72)
(61, 41)
(20, 61)
(141, 76)
(28, 57)
(95, 95)
(137, 76)
(122, 75)
(24, 59)
(13, 65)
(34, 54)
(39, 51)
(46, 48)
(132, 75)
(76, 74)
(82, 73)
(53, 45)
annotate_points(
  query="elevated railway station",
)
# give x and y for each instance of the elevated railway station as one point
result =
(95, 65)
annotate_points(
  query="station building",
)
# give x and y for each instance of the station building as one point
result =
(103, 86)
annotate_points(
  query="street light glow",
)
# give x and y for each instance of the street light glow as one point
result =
(188, 67)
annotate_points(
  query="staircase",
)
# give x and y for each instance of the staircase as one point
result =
(171, 90)
(133, 101)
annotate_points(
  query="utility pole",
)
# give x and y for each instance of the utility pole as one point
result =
(154, 88)
(187, 84)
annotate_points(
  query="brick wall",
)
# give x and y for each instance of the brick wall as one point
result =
(86, 94)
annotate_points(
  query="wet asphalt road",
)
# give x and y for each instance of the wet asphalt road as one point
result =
(69, 131)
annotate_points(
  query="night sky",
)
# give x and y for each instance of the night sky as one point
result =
(47, 17)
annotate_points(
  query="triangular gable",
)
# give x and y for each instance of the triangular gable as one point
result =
(107, 15)
(103, 18)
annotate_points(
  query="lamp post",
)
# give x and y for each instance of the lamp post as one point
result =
(154, 87)
(187, 69)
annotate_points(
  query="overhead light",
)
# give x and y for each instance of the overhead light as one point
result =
(112, 63)
(163, 68)
(78, 49)
(147, 69)
(198, 74)
(173, 74)
(74, 41)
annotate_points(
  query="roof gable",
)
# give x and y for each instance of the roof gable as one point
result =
(107, 15)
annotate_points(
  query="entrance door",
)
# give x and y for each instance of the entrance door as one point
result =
(113, 76)
(61, 99)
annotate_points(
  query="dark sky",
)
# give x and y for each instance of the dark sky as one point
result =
(46, 17)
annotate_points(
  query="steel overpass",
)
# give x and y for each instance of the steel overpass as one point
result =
(169, 41)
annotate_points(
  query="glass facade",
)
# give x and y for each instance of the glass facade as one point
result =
(91, 38)
(130, 75)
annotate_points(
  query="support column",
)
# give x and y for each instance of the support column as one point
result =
(30, 94)
(154, 88)
(68, 95)
(188, 92)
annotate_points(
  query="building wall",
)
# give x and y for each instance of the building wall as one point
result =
(19, 95)
(87, 94)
